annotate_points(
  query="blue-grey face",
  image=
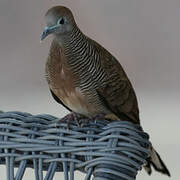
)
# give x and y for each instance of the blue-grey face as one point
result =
(59, 21)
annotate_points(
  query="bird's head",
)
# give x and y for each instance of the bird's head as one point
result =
(59, 21)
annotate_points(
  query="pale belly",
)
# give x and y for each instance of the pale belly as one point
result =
(78, 102)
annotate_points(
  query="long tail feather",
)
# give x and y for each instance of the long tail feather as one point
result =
(156, 162)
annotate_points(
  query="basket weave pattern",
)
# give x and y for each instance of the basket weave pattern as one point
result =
(106, 150)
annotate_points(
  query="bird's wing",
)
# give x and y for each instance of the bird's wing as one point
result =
(117, 94)
(58, 100)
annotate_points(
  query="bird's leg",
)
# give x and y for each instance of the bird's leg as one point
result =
(72, 117)
(100, 116)
(84, 121)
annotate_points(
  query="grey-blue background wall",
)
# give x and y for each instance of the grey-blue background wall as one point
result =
(144, 36)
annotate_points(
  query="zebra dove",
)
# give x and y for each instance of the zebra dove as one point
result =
(85, 78)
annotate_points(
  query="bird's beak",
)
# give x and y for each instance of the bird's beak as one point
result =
(45, 33)
(48, 30)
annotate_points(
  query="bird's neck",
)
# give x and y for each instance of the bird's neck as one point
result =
(73, 43)
(73, 39)
(83, 59)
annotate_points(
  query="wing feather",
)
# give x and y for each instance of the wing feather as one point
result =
(117, 93)
(59, 101)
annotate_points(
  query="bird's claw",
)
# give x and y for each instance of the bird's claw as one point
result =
(83, 122)
(71, 119)
(98, 117)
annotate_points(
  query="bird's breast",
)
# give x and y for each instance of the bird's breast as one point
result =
(63, 83)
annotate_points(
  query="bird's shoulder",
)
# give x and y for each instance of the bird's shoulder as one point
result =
(109, 63)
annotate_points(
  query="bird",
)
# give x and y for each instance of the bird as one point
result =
(87, 79)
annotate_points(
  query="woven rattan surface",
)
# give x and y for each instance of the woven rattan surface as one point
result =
(103, 150)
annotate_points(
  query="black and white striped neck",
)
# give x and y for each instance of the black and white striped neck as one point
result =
(77, 47)
(71, 39)
(83, 58)
(75, 42)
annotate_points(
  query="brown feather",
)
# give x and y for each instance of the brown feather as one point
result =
(104, 86)
(62, 82)
(118, 91)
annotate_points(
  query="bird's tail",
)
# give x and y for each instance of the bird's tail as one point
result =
(156, 162)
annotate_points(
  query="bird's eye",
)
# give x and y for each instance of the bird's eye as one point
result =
(61, 21)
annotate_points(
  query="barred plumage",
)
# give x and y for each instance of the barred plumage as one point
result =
(86, 78)
(84, 61)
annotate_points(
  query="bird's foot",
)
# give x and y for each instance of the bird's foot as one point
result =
(71, 118)
(83, 121)
(98, 117)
